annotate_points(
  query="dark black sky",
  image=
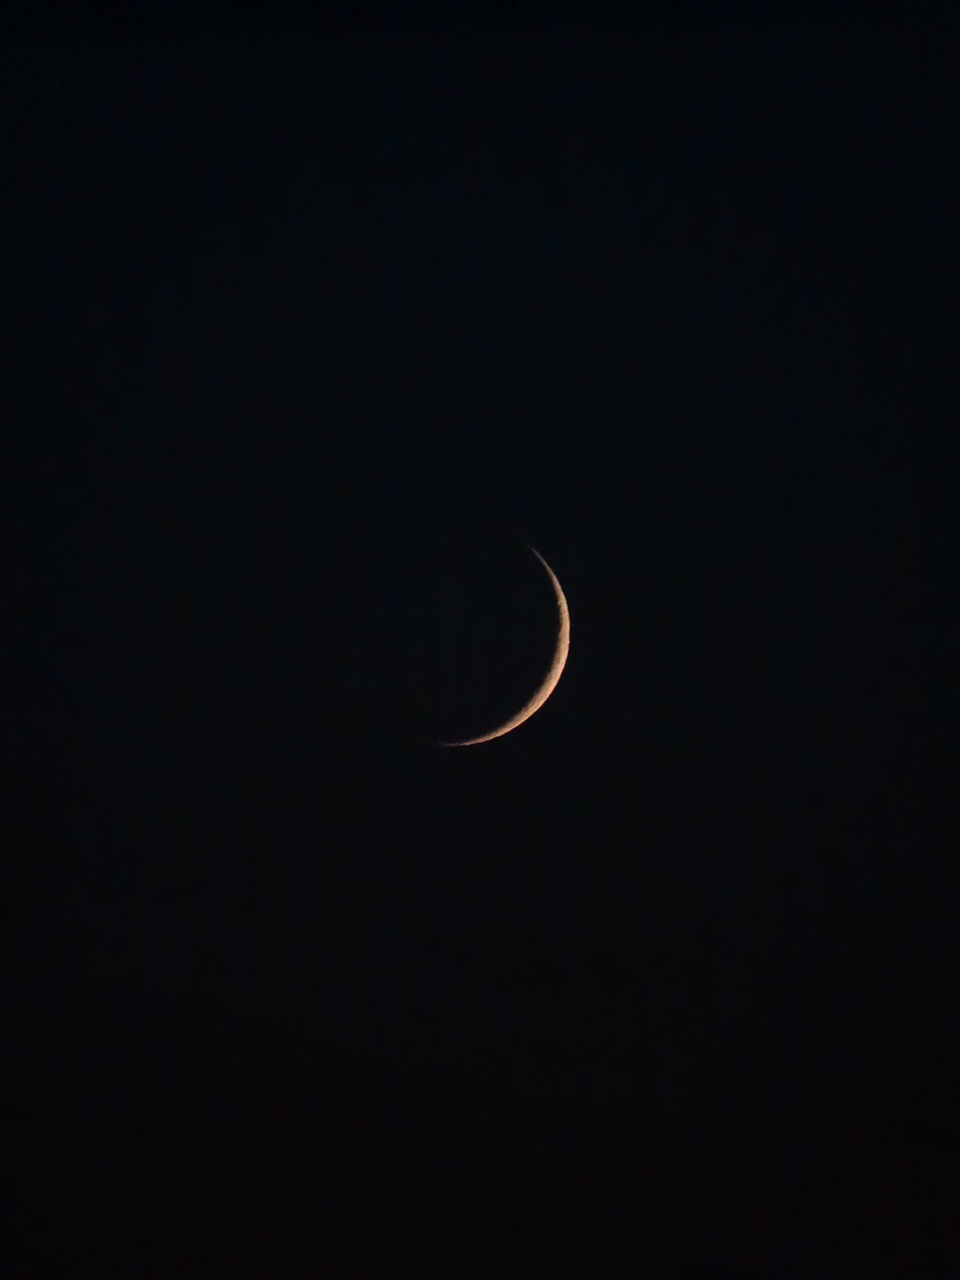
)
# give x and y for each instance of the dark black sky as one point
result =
(308, 332)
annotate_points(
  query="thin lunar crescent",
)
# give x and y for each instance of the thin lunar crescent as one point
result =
(550, 680)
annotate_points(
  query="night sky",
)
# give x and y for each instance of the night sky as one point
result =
(308, 333)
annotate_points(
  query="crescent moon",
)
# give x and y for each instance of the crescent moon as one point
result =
(550, 680)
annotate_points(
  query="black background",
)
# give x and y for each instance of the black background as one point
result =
(308, 332)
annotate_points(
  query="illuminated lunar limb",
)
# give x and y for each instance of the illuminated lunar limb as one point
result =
(550, 680)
